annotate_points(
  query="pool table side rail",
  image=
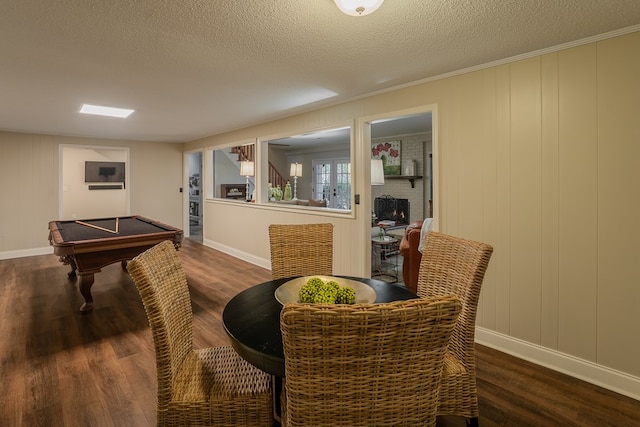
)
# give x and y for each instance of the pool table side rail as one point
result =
(62, 248)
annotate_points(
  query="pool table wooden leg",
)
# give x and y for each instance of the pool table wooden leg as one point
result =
(86, 281)
(74, 267)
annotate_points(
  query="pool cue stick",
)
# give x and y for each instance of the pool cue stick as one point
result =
(117, 224)
(95, 226)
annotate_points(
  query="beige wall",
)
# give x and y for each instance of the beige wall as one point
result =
(537, 157)
(29, 185)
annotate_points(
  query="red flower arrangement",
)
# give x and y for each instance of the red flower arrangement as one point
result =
(378, 149)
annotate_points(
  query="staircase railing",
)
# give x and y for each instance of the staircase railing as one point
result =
(247, 153)
(275, 178)
(244, 152)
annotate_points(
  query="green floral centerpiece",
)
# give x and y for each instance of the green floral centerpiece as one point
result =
(318, 291)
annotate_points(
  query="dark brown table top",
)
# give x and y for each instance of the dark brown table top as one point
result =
(252, 321)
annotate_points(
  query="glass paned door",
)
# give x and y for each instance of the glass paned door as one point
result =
(332, 181)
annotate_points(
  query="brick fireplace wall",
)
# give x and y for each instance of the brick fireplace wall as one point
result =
(413, 148)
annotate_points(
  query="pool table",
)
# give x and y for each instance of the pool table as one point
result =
(91, 244)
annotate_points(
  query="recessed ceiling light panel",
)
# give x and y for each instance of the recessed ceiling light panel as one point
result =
(99, 110)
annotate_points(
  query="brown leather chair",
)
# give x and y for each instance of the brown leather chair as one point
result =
(411, 256)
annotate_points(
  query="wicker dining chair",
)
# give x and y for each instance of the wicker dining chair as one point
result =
(301, 250)
(365, 364)
(202, 387)
(455, 266)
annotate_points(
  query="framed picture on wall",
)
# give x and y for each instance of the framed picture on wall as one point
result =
(389, 152)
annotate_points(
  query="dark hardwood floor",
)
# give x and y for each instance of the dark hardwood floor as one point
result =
(62, 368)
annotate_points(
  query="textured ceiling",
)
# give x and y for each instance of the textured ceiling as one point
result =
(194, 68)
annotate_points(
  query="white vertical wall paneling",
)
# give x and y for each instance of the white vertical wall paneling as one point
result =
(618, 173)
(361, 133)
(488, 137)
(251, 242)
(502, 248)
(449, 156)
(578, 162)
(469, 157)
(47, 184)
(549, 203)
(28, 183)
(155, 185)
(525, 200)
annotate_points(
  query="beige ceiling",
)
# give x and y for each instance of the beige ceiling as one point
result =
(194, 68)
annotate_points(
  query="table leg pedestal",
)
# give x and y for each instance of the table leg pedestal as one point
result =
(385, 260)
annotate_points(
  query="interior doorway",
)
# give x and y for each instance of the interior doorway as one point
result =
(411, 136)
(405, 143)
(194, 194)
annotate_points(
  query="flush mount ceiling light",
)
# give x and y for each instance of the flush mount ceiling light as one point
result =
(358, 7)
(105, 111)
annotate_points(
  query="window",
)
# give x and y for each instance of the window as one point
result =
(325, 157)
(226, 172)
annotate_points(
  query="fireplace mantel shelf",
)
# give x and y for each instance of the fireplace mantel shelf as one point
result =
(411, 178)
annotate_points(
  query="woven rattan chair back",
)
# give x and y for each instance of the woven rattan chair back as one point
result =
(211, 386)
(365, 364)
(301, 250)
(455, 266)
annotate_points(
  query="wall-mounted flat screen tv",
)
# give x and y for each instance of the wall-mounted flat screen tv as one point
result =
(104, 171)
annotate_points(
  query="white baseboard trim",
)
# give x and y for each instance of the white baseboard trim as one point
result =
(26, 252)
(260, 262)
(590, 372)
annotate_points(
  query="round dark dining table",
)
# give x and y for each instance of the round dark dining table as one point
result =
(252, 321)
